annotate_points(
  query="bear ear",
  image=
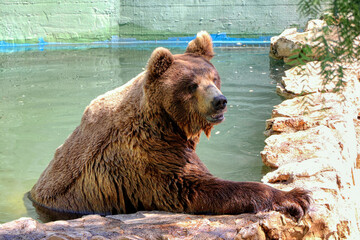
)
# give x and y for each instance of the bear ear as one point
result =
(201, 45)
(160, 60)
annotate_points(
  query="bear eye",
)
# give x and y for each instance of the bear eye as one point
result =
(193, 87)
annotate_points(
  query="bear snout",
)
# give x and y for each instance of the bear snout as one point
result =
(218, 109)
(219, 102)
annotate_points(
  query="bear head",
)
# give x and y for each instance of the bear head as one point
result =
(186, 87)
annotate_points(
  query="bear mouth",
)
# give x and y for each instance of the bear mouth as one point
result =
(215, 118)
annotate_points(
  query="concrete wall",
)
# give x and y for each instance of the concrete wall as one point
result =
(87, 21)
(240, 17)
(58, 20)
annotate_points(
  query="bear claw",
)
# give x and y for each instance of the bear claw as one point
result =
(296, 203)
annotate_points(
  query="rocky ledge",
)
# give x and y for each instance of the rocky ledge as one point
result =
(159, 225)
(313, 143)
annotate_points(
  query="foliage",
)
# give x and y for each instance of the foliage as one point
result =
(343, 17)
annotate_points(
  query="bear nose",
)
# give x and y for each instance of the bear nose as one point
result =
(219, 102)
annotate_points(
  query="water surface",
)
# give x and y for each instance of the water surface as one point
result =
(44, 93)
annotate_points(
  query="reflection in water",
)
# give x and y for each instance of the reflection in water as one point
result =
(277, 69)
(43, 96)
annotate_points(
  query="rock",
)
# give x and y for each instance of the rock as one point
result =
(282, 230)
(284, 45)
(289, 124)
(251, 232)
(294, 170)
(314, 141)
(23, 227)
(315, 106)
(159, 225)
(315, 25)
(315, 109)
(357, 131)
(84, 228)
(307, 79)
(299, 146)
(334, 210)
(273, 226)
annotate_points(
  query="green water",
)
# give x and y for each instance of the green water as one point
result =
(43, 95)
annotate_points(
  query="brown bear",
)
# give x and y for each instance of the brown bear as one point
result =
(135, 148)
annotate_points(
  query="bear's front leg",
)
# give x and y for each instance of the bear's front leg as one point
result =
(218, 196)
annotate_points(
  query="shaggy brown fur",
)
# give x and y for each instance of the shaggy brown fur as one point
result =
(135, 148)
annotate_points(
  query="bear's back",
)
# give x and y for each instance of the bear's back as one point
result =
(104, 114)
(115, 103)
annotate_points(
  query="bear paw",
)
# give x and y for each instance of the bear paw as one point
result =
(296, 203)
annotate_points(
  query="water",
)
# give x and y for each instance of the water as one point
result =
(43, 95)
